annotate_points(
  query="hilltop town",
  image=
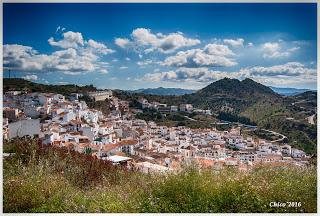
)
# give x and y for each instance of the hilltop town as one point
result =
(122, 139)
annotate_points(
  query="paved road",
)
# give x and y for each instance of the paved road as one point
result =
(187, 117)
(276, 133)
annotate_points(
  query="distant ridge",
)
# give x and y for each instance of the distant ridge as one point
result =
(288, 91)
(164, 91)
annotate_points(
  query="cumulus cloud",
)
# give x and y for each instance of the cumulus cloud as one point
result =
(63, 60)
(104, 71)
(69, 40)
(293, 49)
(234, 43)
(290, 69)
(76, 56)
(145, 62)
(291, 73)
(274, 50)
(143, 39)
(71, 73)
(122, 42)
(14, 54)
(187, 75)
(32, 77)
(212, 55)
(99, 47)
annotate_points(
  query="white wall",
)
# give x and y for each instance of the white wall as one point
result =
(22, 128)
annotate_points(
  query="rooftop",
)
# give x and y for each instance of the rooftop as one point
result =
(118, 158)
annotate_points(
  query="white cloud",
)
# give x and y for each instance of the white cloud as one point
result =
(187, 75)
(58, 29)
(72, 73)
(293, 49)
(290, 69)
(128, 59)
(77, 55)
(104, 71)
(75, 40)
(250, 44)
(143, 40)
(63, 83)
(17, 56)
(99, 47)
(105, 64)
(274, 50)
(123, 67)
(23, 58)
(70, 40)
(291, 73)
(30, 77)
(145, 62)
(212, 55)
(122, 42)
(234, 43)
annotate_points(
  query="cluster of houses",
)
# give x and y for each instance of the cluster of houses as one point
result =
(122, 139)
(173, 108)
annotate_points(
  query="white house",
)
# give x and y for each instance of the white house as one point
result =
(296, 153)
(31, 111)
(68, 116)
(26, 127)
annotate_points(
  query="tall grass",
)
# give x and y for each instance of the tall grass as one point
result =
(46, 179)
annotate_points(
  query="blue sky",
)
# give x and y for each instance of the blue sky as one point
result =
(131, 46)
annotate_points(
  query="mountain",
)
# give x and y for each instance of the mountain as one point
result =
(232, 95)
(164, 91)
(236, 88)
(288, 91)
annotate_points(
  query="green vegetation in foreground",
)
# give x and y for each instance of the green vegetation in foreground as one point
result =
(48, 179)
